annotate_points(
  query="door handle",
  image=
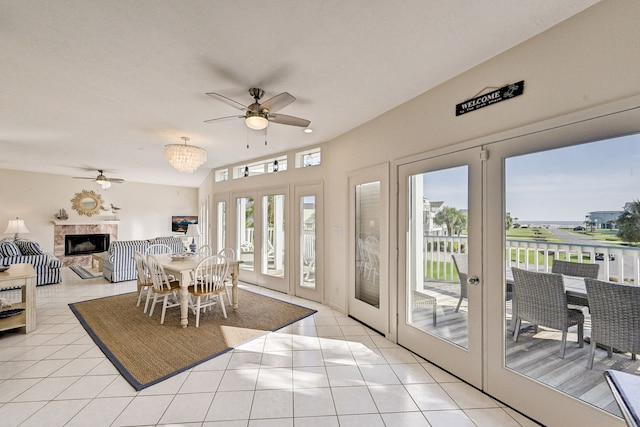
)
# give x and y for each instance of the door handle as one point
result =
(473, 280)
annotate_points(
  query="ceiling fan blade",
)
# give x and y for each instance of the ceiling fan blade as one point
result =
(82, 177)
(283, 119)
(116, 180)
(278, 102)
(219, 119)
(228, 101)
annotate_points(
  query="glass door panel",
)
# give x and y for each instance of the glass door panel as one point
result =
(308, 244)
(438, 259)
(565, 216)
(245, 232)
(369, 245)
(221, 225)
(367, 221)
(307, 253)
(273, 238)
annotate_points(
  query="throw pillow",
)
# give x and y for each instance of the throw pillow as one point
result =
(8, 249)
(27, 247)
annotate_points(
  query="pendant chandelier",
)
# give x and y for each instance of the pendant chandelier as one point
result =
(183, 157)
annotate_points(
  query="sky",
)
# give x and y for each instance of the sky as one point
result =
(564, 184)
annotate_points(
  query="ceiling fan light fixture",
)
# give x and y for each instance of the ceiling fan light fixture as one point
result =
(185, 158)
(256, 121)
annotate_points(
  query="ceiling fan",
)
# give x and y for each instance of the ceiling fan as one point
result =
(102, 180)
(257, 116)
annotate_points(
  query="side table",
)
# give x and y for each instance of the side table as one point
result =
(22, 275)
(97, 258)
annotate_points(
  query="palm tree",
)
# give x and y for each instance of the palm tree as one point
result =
(452, 218)
(629, 223)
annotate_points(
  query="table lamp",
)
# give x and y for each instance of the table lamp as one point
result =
(193, 231)
(16, 226)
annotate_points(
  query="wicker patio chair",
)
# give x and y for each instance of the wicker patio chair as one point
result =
(461, 264)
(615, 317)
(542, 300)
(577, 269)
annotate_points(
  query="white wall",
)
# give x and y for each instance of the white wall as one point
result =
(589, 60)
(145, 212)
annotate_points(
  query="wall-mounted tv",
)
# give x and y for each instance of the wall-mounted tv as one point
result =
(179, 223)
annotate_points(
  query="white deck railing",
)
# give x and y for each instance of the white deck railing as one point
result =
(624, 267)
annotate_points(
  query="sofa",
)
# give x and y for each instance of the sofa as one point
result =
(118, 264)
(23, 251)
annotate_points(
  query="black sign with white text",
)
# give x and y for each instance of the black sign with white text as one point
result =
(498, 95)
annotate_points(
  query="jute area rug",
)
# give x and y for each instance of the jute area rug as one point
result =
(146, 352)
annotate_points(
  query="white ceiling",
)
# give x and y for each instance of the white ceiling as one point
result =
(94, 84)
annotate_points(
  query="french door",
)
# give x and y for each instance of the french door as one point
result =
(260, 237)
(368, 298)
(440, 261)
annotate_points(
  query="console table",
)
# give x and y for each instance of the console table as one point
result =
(24, 276)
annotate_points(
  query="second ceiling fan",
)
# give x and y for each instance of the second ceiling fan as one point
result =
(258, 115)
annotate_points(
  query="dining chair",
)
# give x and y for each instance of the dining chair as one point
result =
(163, 287)
(460, 261)
(159, 249)
(577, 269)
(209, 285)
(542, 301)
(615, 317)
(229, 254)
(205, 250)
(143, 279)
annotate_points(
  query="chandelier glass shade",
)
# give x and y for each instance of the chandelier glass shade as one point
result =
(183, 157)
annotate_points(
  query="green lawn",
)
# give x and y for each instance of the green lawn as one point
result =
(537, 234)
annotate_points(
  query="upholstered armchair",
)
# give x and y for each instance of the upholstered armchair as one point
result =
(118, 262)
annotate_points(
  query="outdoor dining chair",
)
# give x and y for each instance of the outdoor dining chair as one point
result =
(577, 269)
(542, 301)
(209, 285)
(615, 317)
(461, 263)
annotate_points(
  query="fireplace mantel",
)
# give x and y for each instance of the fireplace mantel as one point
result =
(58, 222)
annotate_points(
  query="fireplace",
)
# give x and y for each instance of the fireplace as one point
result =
(84, 244)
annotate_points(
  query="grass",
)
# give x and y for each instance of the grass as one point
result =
(538, 234)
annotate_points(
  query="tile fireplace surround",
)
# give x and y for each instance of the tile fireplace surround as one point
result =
(60, 231)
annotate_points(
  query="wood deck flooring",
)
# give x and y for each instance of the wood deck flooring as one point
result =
(536, 354)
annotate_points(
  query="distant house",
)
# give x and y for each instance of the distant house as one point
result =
(604, 219)
(430, 209)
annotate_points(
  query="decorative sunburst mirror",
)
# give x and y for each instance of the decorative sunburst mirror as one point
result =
(87, 203)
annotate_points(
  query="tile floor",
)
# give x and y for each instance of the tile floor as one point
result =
(325, 370)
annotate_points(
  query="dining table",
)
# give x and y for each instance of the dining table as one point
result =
(183, 269)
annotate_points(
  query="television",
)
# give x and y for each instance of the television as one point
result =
(179, 223)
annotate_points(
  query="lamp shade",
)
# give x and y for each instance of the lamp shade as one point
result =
(16, 226)
(183, 157)
(193, 230)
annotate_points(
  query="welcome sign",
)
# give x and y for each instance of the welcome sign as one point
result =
(506, 92)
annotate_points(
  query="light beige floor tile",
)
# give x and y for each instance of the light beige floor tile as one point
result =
(272, 404)
(144, 410)
(344, 376)
(239, 379)
(368, 420)
(392, 398)
(467, 397)
(46, 389)
(55, 413)
(406, 419)
(202, 382)
(430, 397)
(495, 417)
(231, 405)
(378, 375)
(353, 400)
(313, 402)
(448, 418)
(310, 377)
(99, 412)
(186, 408)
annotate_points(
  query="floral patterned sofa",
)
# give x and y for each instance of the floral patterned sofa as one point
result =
(23, 251)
